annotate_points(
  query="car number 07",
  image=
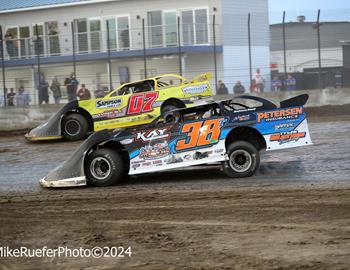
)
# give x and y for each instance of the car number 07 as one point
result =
(141, 103)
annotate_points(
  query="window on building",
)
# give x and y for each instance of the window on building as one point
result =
(95, 35)
(24, 42)
(52, 38)
(123, 33)
(155, 31)
(201, 26)
(81, 35)
(38, 38)
(112, 33)
(194, 26)
(11, 41)
(170, 24)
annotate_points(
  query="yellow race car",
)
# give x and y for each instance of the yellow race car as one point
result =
(131, 104)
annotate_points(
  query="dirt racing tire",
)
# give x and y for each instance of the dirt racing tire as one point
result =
(74, 127)
(104, 167)
(244, 160)
(168, 115)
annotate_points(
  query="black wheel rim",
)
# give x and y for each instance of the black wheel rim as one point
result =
(72, 127)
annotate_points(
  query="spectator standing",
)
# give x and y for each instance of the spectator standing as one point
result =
(276, 84)
(10, 45)
(259, 80)
(222, 89)
(43, 91)
(72, 85)
(11, 97)
(99, 93)
(22, 98)
(238, 88)
(291, 83)
(83, 93)
(253, 88)
(56, 90)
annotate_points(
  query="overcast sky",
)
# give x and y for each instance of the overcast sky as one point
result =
(331, 10)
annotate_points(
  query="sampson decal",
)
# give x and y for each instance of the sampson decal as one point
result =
(282, 114)
(285, 137)
(108, 103)
(192, 90)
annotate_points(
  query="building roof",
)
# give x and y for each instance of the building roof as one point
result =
(303, 35)
(21, 5)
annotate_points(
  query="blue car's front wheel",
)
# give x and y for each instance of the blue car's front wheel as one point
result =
(104, 167)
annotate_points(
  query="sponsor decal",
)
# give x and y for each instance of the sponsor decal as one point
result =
(155, 151)
(108, 103)
(150, 135)
(282, 114)
(197, 89)
(285, 137)
(107, 115)
(283, 126)
(127, 141)
(242, 118)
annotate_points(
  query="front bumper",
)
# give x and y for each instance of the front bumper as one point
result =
(31, 138)
(69, 182)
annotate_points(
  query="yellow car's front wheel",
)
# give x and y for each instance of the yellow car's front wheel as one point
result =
(74, 127)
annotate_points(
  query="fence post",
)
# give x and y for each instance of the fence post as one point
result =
(215, 63)
(179, 45)
(250, 52)
(3, 65)
(284, 44)
(109, 58)
(144, 48)
(73, 48)
(38, 58)
(319, 50)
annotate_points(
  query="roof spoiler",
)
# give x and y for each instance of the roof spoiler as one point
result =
(295, 101)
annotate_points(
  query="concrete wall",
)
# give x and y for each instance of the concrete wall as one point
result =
(12, 119)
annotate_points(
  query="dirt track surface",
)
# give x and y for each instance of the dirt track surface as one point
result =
(293, 214)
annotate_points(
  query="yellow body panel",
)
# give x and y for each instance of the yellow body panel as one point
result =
(130, 109)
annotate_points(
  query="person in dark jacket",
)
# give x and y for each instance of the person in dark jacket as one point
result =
(72, 85)
(238, 88)
(43, 91)
(83, 93)
(222, 89)
(56, 90)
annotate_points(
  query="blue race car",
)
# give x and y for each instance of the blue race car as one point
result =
(225, 131)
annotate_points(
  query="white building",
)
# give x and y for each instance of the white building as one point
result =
(54, 20)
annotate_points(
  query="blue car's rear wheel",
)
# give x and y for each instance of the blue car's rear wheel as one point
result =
(243, 160)
(104, 167)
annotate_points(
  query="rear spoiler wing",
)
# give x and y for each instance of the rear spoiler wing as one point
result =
(295, 101)
(202, 77)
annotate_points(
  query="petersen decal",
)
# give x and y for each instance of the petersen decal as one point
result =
(197, 89)
(285, 137)
(108, 103)
(282, 114)
(150, 135)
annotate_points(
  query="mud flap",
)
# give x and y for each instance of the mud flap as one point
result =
(51, 129)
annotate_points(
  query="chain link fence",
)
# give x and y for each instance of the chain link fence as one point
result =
(305, 53)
